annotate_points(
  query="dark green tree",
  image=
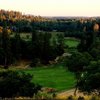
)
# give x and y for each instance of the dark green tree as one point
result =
(14, 83)
(35, 47)
(16, 46)
(47, 49)
(87, 41)
(6, 46)
(95, 50)
(76, 64)
(60, 43)
(90, 80)
(41, 48)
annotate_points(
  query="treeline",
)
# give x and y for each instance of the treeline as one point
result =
(42, 48)
(45, 46)
(85, 63)
(16, 21)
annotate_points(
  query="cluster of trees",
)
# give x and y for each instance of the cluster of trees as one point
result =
(86, 64)
(46, 46)
(25, 23)
(42, 48)
(15, 84)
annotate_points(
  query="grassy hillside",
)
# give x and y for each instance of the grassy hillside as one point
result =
(71, 42)
(55, 77)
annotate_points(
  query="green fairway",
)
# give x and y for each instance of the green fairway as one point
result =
(55, 77)
(71, 42)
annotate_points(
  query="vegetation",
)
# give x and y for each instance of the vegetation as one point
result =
(56, 77)
(76, 63)
(85, 65)
(92, 73)
(73, 27)
(71, 42)
(14, 83)
(44, 41)
(39, 48)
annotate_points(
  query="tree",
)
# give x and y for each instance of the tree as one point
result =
(60, 44)
(16, 46)
(76, 64)
(46, 46)
(41, 46)
(95, 50)
(87, 41)
(45, 51)
(6, 46)
(95, 53)
(90, 80)
(14, 83)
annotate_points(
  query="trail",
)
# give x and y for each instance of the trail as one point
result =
(68, 93)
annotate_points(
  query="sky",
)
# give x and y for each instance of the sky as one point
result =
(53, 7)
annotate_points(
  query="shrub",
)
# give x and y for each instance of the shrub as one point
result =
(94, 98)
(14, 83)
(70, 97)
(81, 98)
(43, 96)
(35, 62)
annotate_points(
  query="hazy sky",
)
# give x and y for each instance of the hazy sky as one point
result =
(54, 7)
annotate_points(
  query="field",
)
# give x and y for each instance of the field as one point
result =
(55, 77)
(71, 42)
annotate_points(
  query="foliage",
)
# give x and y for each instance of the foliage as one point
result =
(87, 41)
(54, 76)
(16, 46)
(5, 48)
(81, 98)
(70, 98)
(14, 83)
(90, 80)
(39, 47)
(76, 64)
(43, 49)
(73, 27)
(43, 95)
(77, 61)
(95, 50)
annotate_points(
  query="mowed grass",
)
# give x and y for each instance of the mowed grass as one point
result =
(54, 77)
(71, 42)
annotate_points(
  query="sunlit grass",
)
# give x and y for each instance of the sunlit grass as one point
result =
(70, 42)
(56, 77)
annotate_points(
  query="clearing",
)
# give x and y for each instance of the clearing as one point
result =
(71, 42)
(56, 77)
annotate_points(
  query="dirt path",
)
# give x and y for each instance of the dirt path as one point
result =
(68, 93)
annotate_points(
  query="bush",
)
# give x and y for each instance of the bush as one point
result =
(35, 62)
(14, 83)
(81, 98)
(70, 97)
(43, 96)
